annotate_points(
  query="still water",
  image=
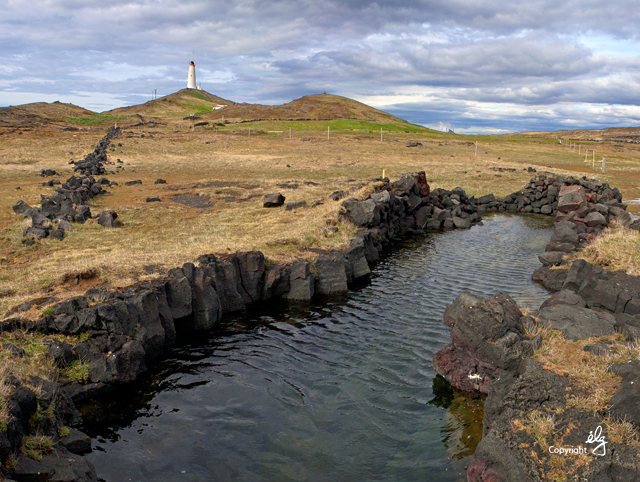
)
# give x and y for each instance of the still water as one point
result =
(336, 391)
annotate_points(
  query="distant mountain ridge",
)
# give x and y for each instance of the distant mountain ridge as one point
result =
(612, 134)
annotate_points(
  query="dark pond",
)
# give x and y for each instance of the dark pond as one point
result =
(336, 391)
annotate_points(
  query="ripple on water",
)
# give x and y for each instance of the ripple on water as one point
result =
(338, 392)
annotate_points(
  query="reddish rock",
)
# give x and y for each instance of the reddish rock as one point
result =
(486, 342)
(571, 198)
(421, 178)
(463, 371)
(479, 472)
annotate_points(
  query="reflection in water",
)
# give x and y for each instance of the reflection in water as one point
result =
(333, 391)
(464, 419)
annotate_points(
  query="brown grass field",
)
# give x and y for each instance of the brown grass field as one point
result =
(223, 172)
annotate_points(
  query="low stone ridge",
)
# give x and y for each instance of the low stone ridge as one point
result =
(587, 206)
(584, 208)
(93, 163)
(69, 203)
(406, 207)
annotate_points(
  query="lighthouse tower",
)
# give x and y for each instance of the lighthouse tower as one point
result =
(191, 80)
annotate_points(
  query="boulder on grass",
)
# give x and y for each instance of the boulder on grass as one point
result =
(20, 207)
(57, 234)
(65, 225)
(84, 213)
(273, 200)
(109, 219)
(296, 205)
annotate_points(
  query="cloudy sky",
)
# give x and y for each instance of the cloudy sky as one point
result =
(477, 66)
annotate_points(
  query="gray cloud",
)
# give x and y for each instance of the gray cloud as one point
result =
(454, 62)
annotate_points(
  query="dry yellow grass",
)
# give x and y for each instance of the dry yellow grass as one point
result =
(5, 391)
(540, 426)
(621, 431)
(203, 165)
(233, 171)
(617, 248)
(588, 372)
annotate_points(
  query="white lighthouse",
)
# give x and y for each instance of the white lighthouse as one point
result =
(191, 80)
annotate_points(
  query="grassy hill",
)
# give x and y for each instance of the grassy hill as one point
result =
(42, 113)
(309, 112)
(180, 104)
(312, 110)
(310, 107)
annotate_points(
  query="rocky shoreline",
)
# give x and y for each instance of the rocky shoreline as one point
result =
(493, 342)
(124, 331)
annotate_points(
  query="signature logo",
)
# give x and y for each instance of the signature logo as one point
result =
(596, 436)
